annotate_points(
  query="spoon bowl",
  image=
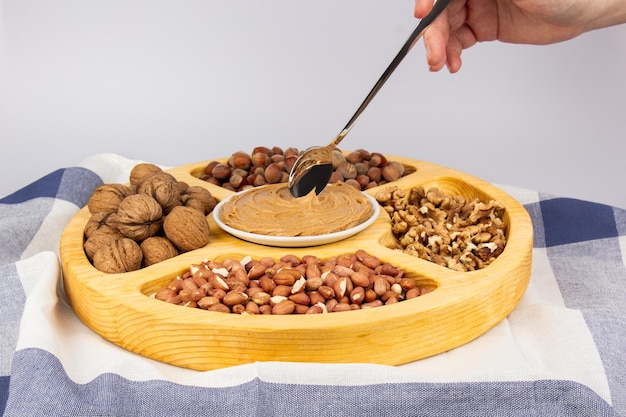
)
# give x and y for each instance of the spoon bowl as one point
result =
(313, 168)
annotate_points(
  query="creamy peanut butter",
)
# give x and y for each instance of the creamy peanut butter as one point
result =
(272, 210)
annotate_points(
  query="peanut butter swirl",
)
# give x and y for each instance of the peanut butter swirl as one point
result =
(272, 210)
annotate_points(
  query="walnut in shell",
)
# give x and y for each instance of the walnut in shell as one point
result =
(186, 228)
(97, 221)
(156, 249)
(118, 256)
(100, 238)
(163, 187)
(107, 197)
(142, 171)
(196, 197)
(138, 217)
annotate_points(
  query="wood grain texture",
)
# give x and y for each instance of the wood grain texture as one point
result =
(462, 307)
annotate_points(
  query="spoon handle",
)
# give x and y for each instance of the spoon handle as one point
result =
(412, 40)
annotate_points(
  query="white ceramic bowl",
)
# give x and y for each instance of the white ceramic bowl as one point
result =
(295, 241)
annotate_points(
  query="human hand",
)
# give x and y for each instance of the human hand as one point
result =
(465, 22)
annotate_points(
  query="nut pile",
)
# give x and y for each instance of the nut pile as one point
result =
(445, 229)
(360, 168)
(154, 218)
(291, 285)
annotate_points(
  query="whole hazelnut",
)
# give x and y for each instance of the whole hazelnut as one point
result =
(263, 149)
(240, 160)
(291, 152)
(353, 183)
(221, 171)
(335, 177)
(208, 169)
(398, 166)
(278, 158)
(337, 158)
(361, 167)
(260, 159)
(347, 170)
(377, 159)
(390, 173)
(354, 157)
(236, 180)
(273, 173)
(374, 174)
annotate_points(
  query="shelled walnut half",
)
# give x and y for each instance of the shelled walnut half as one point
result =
(445, 229)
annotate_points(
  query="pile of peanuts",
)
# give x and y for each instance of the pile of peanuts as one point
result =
(291, 285)
(360, 168)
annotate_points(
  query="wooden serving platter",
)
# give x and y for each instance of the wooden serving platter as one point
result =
(461, 307)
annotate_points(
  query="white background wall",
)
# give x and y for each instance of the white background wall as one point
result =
(179, 82)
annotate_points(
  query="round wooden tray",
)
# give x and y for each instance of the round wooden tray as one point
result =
(462, 306)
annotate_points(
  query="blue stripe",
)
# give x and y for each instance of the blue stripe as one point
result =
(71, 184)
(568, 220)
(4, 392)
(41, 387)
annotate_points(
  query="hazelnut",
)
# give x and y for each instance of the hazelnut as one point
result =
(335, 177)
(221, 171)
(237, 180)
(390, 173)
(240, 160)
(279, 159)
(354, 183)
(398, 166)
(291, 152)
(260, 159)
(208, 169)
(347, 170)
(361, 167)
(354, 157)
(263, 149)
(374, 174)
(337, 158)
(378, 160)
(273, 173)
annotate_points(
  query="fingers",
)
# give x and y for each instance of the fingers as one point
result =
(436, 39)
(447, 36)
(453, 56)
(435, 45)
(422, 8)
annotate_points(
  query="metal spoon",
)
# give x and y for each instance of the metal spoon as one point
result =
(313, 167)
